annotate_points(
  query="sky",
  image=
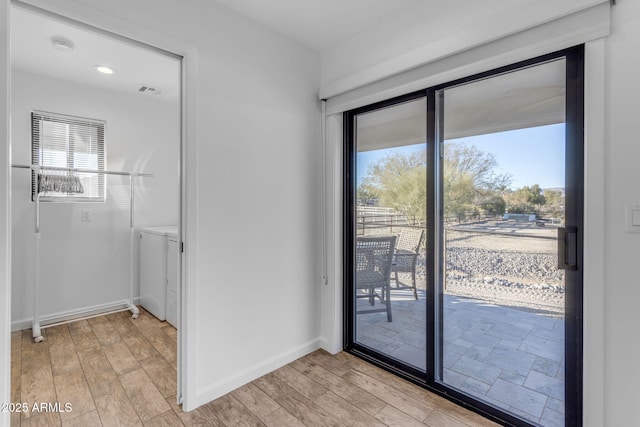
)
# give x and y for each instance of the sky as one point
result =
(530, 156)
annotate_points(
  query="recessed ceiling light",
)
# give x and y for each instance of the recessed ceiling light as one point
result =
(62, 44)
(104, 69)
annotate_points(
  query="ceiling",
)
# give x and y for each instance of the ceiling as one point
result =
(527, 98)
(318, 24)
(32, 51)
(312, 23)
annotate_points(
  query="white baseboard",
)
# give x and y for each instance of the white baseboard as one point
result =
(226, 385)
(67, 315)
(331, 348)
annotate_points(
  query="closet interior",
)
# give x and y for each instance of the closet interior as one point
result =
(96, 131)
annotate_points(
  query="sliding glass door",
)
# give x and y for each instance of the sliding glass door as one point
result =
(472, 190)
(387, 237)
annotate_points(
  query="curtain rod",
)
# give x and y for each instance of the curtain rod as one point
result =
(80, 170)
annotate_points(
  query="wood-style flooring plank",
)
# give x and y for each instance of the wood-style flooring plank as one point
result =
(139, 346)
(467, 417)
(386, 393)
(164, 345)
(273, 386)
(115, 409)
(58, 334)
(89, 419)
(100, 376)
(79, 327)
(346, 412)
(122, 323)
(351, 393)
(147, 401)
(64, 359)
(33, 353)
(73, 388)
(300, 382)
(438, 418)
(395, 417)
(147, 323)
(256, 400)
(36, 386)
(171, 332)
(85, 342)
(306, 411)
(121, 358)
(328, 362)
(232, 412)
(282, 418)
(202, 416)
(104, 331)
(43, 419)
(161, 374)
(167, 419)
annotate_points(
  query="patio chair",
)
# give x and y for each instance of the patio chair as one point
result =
(406, 257)
(373, 269)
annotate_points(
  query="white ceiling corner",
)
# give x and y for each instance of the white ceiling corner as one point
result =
(318, 25)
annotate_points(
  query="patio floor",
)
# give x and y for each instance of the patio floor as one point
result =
(510, 358)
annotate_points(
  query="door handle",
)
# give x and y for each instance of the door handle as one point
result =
(568, 248)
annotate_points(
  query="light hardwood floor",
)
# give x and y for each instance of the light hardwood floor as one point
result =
(119, 371)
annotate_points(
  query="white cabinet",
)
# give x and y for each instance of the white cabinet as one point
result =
(159, 272)
(172, 281)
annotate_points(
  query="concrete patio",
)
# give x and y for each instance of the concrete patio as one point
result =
(510, 358)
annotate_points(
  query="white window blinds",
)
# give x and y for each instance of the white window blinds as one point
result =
(69, 142)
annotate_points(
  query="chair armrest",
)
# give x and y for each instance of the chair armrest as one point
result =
(404, 258)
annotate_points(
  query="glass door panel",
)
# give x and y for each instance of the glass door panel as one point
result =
(502, 193)
(389, 267)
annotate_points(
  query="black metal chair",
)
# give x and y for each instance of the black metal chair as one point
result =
(373, 269)
(405, 257)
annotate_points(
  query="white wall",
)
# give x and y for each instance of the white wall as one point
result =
(622, 250)
(84, 264)
(252, 176)
(5, 221)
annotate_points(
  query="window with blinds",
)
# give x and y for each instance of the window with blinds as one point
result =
(69, 142)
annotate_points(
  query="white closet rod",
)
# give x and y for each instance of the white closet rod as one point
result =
(102, 172)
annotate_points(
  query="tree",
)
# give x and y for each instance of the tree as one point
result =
(526, 199)
(553, 197)
(470, 181)
(367, 195)
(399, 182)
(554, 206)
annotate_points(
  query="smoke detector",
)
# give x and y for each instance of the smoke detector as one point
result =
(149, 89)
(61, 44)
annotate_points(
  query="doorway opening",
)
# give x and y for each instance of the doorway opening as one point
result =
(106, 302)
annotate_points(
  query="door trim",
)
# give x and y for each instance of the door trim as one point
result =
(187, 55)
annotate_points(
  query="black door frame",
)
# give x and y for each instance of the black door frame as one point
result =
(574, 214)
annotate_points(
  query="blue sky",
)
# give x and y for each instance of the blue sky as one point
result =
(530, 156)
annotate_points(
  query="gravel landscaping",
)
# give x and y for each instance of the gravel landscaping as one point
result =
(516, 270)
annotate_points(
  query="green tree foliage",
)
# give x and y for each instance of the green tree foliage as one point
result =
(526, 199)
(470, 181)
(399, 181)
(553, 198)
(554, 206)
